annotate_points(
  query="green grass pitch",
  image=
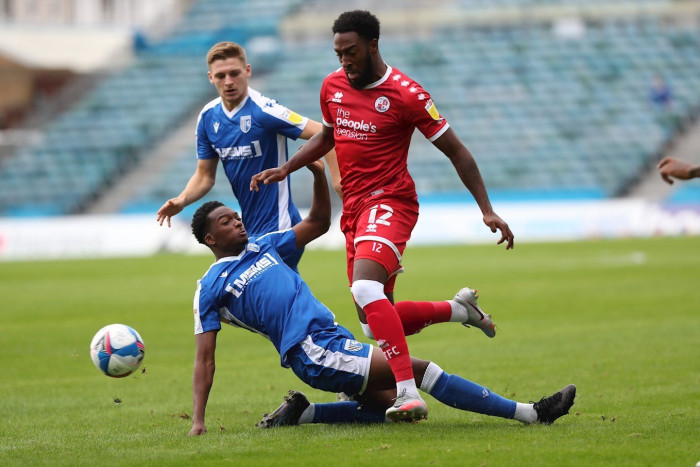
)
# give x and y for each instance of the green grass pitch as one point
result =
(620, 319)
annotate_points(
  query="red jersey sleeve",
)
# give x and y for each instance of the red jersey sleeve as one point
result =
(422, 113)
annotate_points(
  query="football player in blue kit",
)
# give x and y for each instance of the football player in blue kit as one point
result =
(248, 132)
(250, 286)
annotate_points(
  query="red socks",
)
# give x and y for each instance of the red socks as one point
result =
(386, 326)
(417, 315)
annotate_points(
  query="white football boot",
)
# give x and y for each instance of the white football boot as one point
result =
(407, 408)
(476, 317)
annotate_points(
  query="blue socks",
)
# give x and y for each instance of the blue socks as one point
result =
(346, 412)
(451, 390)
(462, 394)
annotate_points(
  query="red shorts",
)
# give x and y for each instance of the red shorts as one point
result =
(379, 232)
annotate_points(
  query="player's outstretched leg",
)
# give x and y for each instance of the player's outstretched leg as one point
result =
(296, 410)
(459, 393)
(450, 390)
(475, 316)
(462, 309)
(415, 316)
(557, 405)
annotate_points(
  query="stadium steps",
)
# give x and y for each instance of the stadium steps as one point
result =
(148, 168)
(49, 110)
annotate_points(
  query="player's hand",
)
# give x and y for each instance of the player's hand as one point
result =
(317, 167)
(171, 207)
(670, 167)
(496, 223)
(197, 430)
(266, 177)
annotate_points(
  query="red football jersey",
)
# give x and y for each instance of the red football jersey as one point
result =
(372, 129)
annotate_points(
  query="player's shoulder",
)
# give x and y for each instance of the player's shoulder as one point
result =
(408, 90)
(208, 110)
(273, 237)
(280, 241)
(210, 107)
(336, 75)
(403, 82)
(260, 101)
(216, 270)
(262, 105)
(267, 109)
(333, 83)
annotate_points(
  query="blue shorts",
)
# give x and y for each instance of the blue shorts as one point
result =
(332, 361)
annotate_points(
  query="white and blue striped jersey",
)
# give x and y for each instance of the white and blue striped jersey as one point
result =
(257, 291)
(249, 139)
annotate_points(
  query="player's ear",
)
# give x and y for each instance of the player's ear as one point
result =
(211, 79)
(374, 45)
(209, 239)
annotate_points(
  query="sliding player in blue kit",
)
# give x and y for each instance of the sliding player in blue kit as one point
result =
(248, 132)
(250, 286)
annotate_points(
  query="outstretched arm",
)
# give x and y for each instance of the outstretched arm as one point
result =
(202, 379)
(319, 219)
(468, 172)
(682, 170)
(199, 185)
(318, 146)
(312, 127)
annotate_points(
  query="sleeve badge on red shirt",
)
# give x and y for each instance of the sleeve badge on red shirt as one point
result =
(432, 110)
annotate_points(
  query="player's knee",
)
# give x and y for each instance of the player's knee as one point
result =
(365, 292)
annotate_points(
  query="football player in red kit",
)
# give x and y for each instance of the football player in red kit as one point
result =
(370, 111)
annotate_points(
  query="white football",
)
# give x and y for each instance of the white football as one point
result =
(117, 350)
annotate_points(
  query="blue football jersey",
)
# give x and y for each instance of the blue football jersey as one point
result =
(249, 139)
(257, 291)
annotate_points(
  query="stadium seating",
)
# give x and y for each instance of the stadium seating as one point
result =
(546, 115)
(101, 137)
(107, 132)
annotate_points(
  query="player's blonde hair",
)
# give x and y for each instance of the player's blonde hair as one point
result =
(224, 50)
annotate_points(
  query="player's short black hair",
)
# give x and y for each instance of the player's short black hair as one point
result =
(362, 22)
(200, 220)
